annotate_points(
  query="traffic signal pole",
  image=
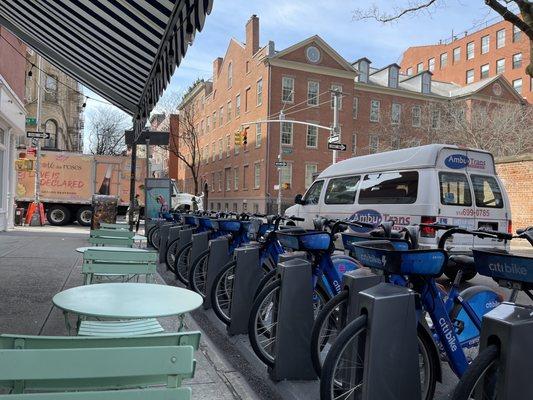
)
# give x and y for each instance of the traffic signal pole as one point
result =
(38, 122)
(335, 129)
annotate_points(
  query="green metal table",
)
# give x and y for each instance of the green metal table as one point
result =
(109, 248)
(116, 301)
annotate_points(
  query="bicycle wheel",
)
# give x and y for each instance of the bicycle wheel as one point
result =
(170, 257)
(198, 274)
(481, 377)
(156, 237)
(262, 320)
(343, 368)
(149, 235)
(265, 281)
(181, 265)
(326, 328)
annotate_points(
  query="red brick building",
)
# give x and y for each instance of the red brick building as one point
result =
(252, 83)
(500, 48)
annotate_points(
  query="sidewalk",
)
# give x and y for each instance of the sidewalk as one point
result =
(38, 262)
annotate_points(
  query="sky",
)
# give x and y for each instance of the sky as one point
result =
(287, 22)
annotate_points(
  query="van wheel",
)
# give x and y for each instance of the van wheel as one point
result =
(58, 215)
(84, 216)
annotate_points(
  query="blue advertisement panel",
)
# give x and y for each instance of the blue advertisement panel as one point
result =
(158, 198)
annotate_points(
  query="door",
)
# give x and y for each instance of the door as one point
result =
(310, 205)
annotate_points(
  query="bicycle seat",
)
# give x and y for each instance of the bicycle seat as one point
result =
(463, 261)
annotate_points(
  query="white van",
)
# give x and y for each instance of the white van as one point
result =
(433, 183)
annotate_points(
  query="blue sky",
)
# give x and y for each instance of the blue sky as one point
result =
(289, 21)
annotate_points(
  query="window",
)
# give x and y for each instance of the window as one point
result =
(485, 71)
(212, 182)
(517, 84)
(245, 177)
(50, 88)
(312, 196)
(336, 88)
(214, 120)
(443, 60)
(227, 177)
(228, 112)
(393, 77)
(236, 178)
(486, 191)
(220, 149)
(516, 33)
(51, 127)
(485, 44)
(470, 51)
(419, 67)
(500, 38)
(311, 139)
(247, 100)
(230, 75)
(409, 71)
(310, 170)
(228, 146)
(256, 208)
(213, 151)
(431, 64)
(435, 118)
(456, 54)
(363, 71)
(226, 207)
(313, 88)
(235, 208)
(517, 60)
(287, 89)
(416, 113)
(354, 143)
(258, 135)
(500, 66)
(207, 123)
(286, 175)
(221, 116)
(389, 188)
(426, 83)
(469, 76)
(396, 111)
(219, 173)
(238, 104)
(257, 175)
(374, 110)
(260, 92)
(355, 107)
(286, 133)
(454, 189)
(341, 190)
(373, 143)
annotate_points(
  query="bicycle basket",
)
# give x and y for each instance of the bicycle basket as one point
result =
(190, 220)
(507, 266)
(229, 225)
(207, 223)
(308, 240)
(349, 239)
(380, 254)
(264, 229)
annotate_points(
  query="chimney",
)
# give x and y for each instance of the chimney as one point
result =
(216, 68)
(252, 35)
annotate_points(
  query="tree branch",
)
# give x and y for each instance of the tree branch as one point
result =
(374, 13)
(511, 16)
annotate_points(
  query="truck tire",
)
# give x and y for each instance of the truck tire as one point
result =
(58, 215)
(84, 215)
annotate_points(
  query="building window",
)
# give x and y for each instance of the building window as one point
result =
(230, 75)
(431, 64)
(485, 44)
(214, 120)
(426, 83)
(393, 77)
(373, 143)
(213, 151)
(260, 92)
(221, 116)
(419, 67)
(207, 123)
(484, 71)
(50, 127)
(287, 89)
(50, 86)
(500, 38)
(258, 135)
(500, 66)
(310, 170)
(312, 136)
(374, 110)
(247, 103)
(257, 175)
(220, 149)
(435, 118)
(245, 177)
(517, 60)
(470, 51)
(516, 33)
(212, 183)
(286, 133)
(286, 175)
(336, 88)
(416, 114)
(355, 107)
(363, 71)
(228, 146)
(456, 54)
(396, 111)
(443, 60)
(228, 112)
(236, 178)
(469, 76)
(219, 181)
(313, 88)
(517, 84)
(227, 176)
(238, 104)
(409, 71)
(354, 143)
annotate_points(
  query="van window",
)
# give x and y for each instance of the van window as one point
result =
(389, 188)
(454, 189)
(341, 190)
(313, 193)
(487, 192)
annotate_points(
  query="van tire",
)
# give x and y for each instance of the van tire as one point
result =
(84, 216)
(58, 215)
(450, 270)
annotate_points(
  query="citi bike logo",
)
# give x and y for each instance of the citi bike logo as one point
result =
(448, 334)
(512, 269)
(369, 216)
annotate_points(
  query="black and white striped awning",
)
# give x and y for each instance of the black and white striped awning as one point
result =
(124, 50)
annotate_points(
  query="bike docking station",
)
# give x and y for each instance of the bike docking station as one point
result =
(294, 317)
(218, 257)
(355, 282)
(246, 279)
(164, 231)
(185, 237)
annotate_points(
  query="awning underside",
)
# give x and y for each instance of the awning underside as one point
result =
(124, 50)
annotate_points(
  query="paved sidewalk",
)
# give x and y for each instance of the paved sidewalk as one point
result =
(38, 262)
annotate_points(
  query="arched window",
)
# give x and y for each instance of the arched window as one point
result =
(51, 127)
(230, 75)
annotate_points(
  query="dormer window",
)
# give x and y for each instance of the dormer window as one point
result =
(426, 83)
(363, 71)
(394, 73)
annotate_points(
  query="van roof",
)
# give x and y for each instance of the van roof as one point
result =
(412, 157)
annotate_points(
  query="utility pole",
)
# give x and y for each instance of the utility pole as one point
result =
(280, 156)
(38, 145)
(335, 129)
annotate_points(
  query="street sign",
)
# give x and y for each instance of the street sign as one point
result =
(31, 121)
(337, 146)
(286, 150)
(38, 135)
(280, 164)
(333, 139)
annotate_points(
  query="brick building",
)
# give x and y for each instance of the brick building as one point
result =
(500, 48)
(252, 83)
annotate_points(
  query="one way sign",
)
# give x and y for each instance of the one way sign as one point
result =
(337, 146)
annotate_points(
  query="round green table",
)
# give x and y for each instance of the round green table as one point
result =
(110, 248)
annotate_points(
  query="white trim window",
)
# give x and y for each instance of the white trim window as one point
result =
(484, 71)
(220, 149)
(419, 67)
(257, 175)
(354, 144)
(517, 60)
(456, 54)
(310, 170)
(258, 135)
(470, 48)
(396, 112)
(485, 44)
(214, 119)
(500, 38)
(236, 178)
(374, 110)
(287, 89)
(259, 99)
(238, 105)
(228, 146)
(416, 114)
(311, 137)
(287, 133)
(517, 85)
(214, 151)
(228, 112)
(431, 64)
(227, 178)
(221, 116)
(373, 143)
(286, 175)
(355, 107)
(435, 118)
(500, 66)
(443, 60)
(469, 76)
(313, 88)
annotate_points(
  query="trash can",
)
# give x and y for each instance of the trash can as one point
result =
(19, 216)
(104, 210)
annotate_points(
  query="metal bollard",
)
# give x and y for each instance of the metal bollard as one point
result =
(185, 237)
(218, 257)
(200, 242)
(294, 317)
(246, 279)
(163, 241)
(356, 281)
(512, 326)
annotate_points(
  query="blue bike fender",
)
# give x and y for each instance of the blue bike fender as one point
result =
(343, 263)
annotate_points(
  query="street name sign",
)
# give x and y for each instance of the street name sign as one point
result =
(31, 120)
(280, 163)
(333, 139)
(286, 150)
(337, 146)
(38, 135)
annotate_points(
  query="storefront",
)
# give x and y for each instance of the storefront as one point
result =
(12, 124)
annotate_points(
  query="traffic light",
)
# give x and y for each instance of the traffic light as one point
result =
(286, 186)
(238, 138)
(245, 136)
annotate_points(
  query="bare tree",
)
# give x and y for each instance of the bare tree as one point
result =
(168, 104)
(106, 127)
(414, 7)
